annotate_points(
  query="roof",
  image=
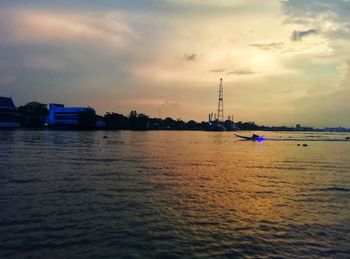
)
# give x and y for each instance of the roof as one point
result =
(7, 102)
(61, 108)
(70, 109)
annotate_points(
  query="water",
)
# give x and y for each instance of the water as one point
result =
(173, 194)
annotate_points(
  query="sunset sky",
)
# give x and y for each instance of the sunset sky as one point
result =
(282, 62)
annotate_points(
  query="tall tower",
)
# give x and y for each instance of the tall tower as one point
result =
(221, 102)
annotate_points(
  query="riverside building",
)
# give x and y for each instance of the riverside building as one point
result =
(61, 116)
(9, 118)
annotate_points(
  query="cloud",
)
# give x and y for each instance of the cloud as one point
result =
(44, 62)
(122, 55)
(191, 57)
(326, 104)
(237, 4)
(218, 70)
(224, 3)
(244, 71)
(7, 79)
(43, 26)
(269, 46)
(298, 35)
(330, 18)
(241, 72)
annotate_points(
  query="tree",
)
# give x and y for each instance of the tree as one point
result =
(33, 114)
(34, 108)
(168, 123)
(87, 119)
(191, 125)
(116, 121)
(138, 121)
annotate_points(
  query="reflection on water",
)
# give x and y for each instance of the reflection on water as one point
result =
(192, 194)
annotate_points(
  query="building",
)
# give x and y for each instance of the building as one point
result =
(298, 127)
(9, 118)
(71, 117)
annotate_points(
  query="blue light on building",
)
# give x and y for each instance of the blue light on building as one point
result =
(59, 115)
(9, 118)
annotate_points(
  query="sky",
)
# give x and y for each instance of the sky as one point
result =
(282, 62)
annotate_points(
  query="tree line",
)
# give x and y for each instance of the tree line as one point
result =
(35, 114)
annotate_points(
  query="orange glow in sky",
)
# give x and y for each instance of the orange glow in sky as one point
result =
(282, 62)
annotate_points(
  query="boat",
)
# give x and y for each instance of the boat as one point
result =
(9, 118)
(254, 137)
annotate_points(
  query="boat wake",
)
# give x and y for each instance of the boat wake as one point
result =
(307, 140)
(258, 138)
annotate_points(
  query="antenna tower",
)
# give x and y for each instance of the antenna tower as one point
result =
(221, 102)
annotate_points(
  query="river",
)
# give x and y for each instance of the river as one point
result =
(174, 194)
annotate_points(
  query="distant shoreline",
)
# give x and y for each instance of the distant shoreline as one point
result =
(187, 130)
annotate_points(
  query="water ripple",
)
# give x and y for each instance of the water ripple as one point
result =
(172, 195)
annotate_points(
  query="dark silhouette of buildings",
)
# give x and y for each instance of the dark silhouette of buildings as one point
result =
(37, 115)
(9, 117)
(71, 117)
